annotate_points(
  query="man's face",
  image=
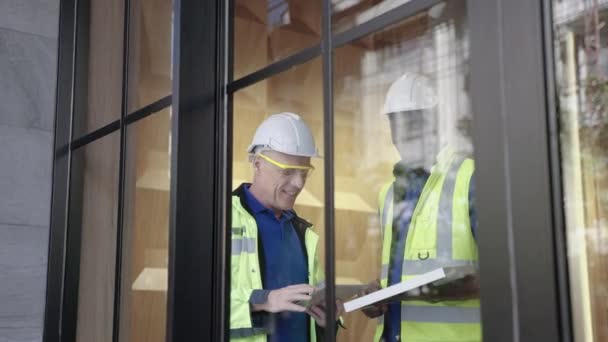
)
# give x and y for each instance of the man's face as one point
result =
(279, 188)
(407, 133)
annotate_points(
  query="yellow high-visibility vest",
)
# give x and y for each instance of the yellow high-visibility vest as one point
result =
(245, 273)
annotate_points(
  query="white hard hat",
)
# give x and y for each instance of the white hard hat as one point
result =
(410, 92)
(286, 133)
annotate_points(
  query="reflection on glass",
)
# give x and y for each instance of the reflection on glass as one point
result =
(403, 171)
(273, 246)
(146, 230)
(350, 13)
(266, 31)
(99, 82)
(150, 52)
(95, 192)
(581, 65)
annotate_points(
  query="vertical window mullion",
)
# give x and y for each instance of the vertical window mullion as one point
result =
(73, 229)
(557, 192)
(328, 137)
(54, 307)
(121, 177)
(223, 180)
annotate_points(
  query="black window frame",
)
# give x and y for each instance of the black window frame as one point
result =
(524, 286)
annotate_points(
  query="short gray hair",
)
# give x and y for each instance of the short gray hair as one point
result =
(257, 150)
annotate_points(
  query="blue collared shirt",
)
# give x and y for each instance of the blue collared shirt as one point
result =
(284, 265)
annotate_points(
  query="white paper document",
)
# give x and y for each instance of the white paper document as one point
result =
(394, 290)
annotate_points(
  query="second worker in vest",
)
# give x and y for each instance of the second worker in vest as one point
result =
(274, 251)
(428, 221)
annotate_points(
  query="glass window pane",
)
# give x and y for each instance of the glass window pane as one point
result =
(404, 198)
(266, 31)
(95, 196)
(350, 13)
(99, 81)
(149, 52)
(266, 234)
(582, 82)
(146, 230)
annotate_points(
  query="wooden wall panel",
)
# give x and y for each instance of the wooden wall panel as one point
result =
(98, 242)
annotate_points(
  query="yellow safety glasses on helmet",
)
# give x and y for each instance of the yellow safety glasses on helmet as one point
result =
(289, 170)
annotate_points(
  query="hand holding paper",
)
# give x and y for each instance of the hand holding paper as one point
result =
(460, 283)
(447, 283)
(376, 309)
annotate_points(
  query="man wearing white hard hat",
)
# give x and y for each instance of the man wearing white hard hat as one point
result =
(428, 221)
(274, 261)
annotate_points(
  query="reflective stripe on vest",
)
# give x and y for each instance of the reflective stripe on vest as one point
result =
(418, 267)
(244, 245)
(385, 208)
(438, 314)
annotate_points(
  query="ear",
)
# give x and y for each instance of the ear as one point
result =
(256, 164)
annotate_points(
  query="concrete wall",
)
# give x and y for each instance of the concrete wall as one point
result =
(28, 55)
